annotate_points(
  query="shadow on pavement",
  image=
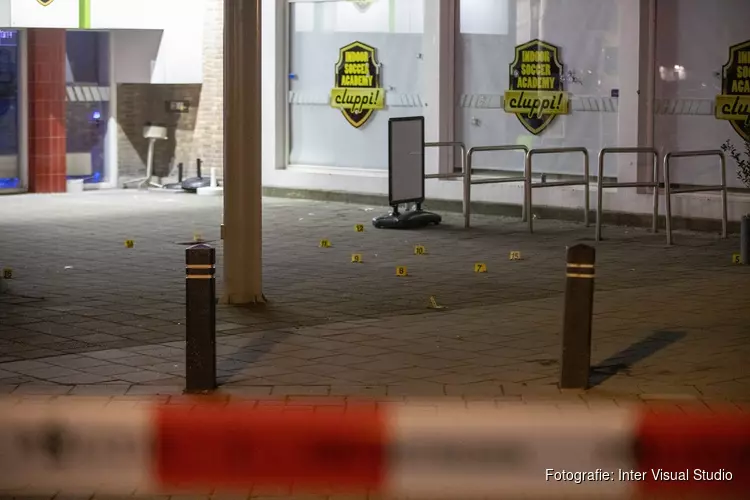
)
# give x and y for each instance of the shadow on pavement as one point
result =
(622, 361)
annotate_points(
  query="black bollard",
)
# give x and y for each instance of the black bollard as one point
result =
(200, 313)
(745, 240)
(579, 307)
(180, 172)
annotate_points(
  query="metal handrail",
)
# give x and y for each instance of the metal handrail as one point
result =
(530, 185)
(495, 180)
(465, 173)
(601, 185)
(696, 189)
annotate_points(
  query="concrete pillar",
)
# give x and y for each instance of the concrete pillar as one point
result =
(438, 57)
(242, 153)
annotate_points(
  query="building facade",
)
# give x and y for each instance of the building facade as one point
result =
(633, 72)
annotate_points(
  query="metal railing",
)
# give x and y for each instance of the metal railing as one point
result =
(530, 185)
(695, 189)
(601, 185)
(468, 181)
(465, 172)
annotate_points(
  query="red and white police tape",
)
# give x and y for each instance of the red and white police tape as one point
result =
(392, 450)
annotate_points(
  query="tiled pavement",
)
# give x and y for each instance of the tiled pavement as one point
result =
(86, 315)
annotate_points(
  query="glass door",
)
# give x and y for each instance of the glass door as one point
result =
(87, 105)
(9, 99)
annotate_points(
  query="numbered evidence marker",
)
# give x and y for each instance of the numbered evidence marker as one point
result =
(736, 258)
(480, 267)
(360, 228)
(434, 304)
(514, 255)
(129, 243)
(197, 237)
(7, 273)
(420, 250)
(325, 244)
(357, 258)
(401, 271)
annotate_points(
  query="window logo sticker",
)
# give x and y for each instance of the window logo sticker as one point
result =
(536, 93)
(357, 91)
(733, 104)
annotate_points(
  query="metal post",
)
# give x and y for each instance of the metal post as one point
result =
(527, 187)
(467, 188)
(667, 199)
(586, 188)
(579, 305)
(180, 171)
(724, 208)
(655, 219)
(599, 196)
(745, 240)
(200, 312)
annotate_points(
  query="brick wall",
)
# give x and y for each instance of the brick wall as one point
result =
(197, 134)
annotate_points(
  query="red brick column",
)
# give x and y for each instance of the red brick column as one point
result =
(47, 148)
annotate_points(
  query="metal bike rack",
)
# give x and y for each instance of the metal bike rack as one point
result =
(601, 185)
(492, 180)
(530, 185)
(696, 189)
(465, 172)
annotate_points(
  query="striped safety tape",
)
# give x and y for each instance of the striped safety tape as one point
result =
(393, 450)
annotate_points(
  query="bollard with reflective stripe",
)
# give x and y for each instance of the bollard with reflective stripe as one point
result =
(579, 305)
(200, 313)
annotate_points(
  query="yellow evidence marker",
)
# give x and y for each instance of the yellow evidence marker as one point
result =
(360, 228)
(434, 304)
(736, 258)
(129, 243)
(197, 237)
(357, 258)
(325, 244)
(514, 255)
(401, 271)
(480, 267)
(420, 250)
(7, 273)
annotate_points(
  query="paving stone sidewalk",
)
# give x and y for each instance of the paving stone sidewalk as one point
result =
(86, 315)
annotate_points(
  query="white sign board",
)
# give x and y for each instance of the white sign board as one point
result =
(406, 160)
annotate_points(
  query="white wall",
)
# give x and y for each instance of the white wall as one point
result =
(631, 32)
(173, 53)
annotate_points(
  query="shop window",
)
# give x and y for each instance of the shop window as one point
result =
(9, 99)
(484, 17)
(587, 34)
(693, 40)
(321, 135)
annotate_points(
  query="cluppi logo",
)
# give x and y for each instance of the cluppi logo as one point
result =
(45, 3)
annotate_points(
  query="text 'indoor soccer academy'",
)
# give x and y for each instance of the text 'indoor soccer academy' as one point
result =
(358, 92)
(733, 104)
(535, 91)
